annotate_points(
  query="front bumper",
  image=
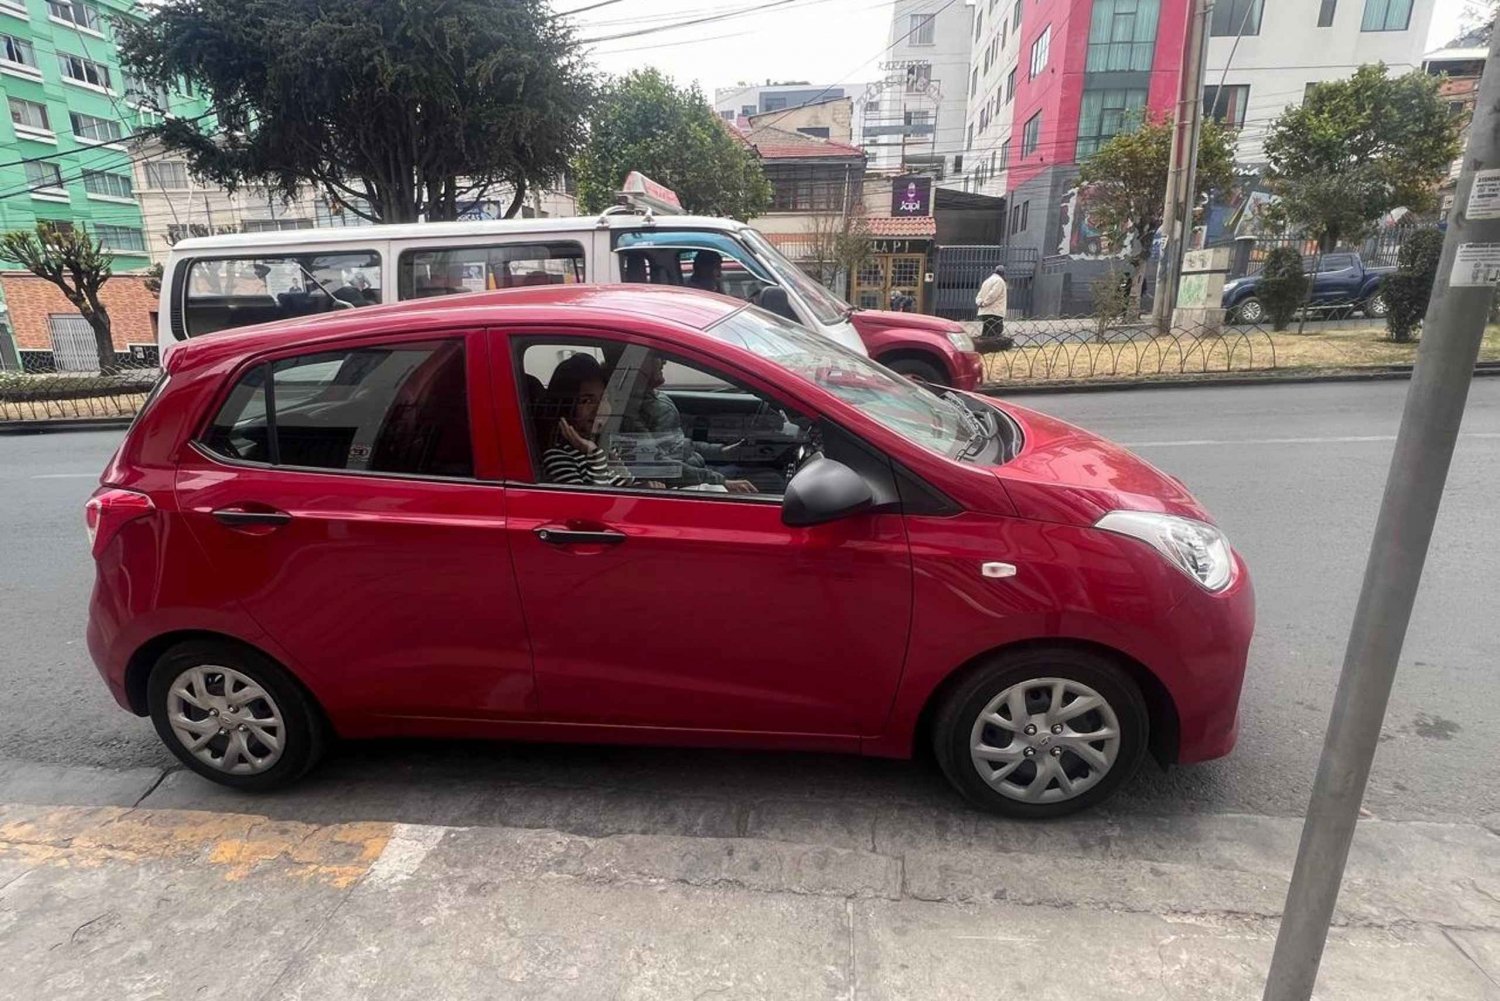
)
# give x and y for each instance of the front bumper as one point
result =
(968, 370)
(1213, 638)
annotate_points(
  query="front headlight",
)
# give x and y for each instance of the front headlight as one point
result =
(1197, 549)
(961, 340)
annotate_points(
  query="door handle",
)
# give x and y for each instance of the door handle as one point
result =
(237, 518)
(570, 536)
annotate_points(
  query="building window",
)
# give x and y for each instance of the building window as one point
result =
(969, 138)
(29, 115)
(84, 70)
(1325, 13)
(1106, 113)
(43, 175)
(806, 190)
(978, 22)
(1386, 15)
(1015, 18)
(1307, 91)
(98, 182)
(138, 91)
(93, 129)
(973, 81)
(277, 225)
(167, 175)
(774, 103)
(923, 29)
(1031, 134)
(1004, 154)
(918, 78)
(1122, 35)
(121, 237)
(748, 109)
(1226, 105)
(816, 131)
(1040, 49)
(73, 12)
(18, 51)
(1020, 217)
(1010, 85)
(1236, 17)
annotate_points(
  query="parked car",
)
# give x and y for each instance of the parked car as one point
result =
(223, 282)
(383, 523)
(1342, 283)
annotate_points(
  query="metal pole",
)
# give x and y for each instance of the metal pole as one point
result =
(1195, 135)
(1189, 105)
(1452, 332)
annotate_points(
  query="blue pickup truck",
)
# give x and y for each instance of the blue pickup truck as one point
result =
(1342, 285)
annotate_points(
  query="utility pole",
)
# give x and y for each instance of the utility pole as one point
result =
(1451, 335)
(1177, 215)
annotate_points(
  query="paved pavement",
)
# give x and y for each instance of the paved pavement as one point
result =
(1293, 473)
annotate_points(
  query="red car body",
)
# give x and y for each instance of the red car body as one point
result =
(398, 601)
(889, 337)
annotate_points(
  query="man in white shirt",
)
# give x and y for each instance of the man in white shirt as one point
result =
(991, 302)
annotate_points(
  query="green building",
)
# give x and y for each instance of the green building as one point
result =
(65, 153)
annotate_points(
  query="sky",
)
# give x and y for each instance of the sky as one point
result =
(821, 41)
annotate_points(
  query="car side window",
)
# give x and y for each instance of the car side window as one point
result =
(620, 415)
(1335, 262)
(710, 261)
(400, 408)
(227, 292)
(456, 270)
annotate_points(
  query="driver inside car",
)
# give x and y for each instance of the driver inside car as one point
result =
(651, 415)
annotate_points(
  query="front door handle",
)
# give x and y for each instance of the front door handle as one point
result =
(571, 536)
(238, 518)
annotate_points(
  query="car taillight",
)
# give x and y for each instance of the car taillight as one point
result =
(108, 509)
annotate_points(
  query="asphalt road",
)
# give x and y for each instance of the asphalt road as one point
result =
(1293, 474)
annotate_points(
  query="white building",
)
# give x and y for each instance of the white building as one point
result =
(990, 92)
(912, 118)
(1283, 48)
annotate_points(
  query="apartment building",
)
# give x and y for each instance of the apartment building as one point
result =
(911, 119)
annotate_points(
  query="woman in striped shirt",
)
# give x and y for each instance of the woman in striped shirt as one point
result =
(565, 428)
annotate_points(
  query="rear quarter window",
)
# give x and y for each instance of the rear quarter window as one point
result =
(222, 293)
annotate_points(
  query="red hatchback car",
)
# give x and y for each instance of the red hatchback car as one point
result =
(646, 515)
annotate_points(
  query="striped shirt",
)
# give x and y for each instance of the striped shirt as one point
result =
(562, 463)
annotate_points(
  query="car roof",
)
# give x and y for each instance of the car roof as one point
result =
(681, 307)
(445, 230)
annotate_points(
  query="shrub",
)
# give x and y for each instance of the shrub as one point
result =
(1282, 286)
(1408, 290)
(1111, 294)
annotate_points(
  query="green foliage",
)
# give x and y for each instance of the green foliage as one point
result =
(1409, 289)
(414, 105)
(1282, 286)
(1357, 148)
(642, 122)
(152, 279)
(1126, 179)
(77, 264)
(1112, 300)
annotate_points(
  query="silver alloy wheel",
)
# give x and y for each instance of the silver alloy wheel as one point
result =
(1376, 306)
(1250, 311)
(1045, 740)
(226, 719)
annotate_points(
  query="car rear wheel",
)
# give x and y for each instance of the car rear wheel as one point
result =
(1250, 311)
(1041, 733)
(233, 715)
(1375, 307)
(918, 370)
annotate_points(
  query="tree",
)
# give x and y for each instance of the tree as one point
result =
(1125, 184)
(1408, 290)
(1357, 148)
(836, 245)
(1283, 285)
(77, 264)
(642, 122)
(414, 108)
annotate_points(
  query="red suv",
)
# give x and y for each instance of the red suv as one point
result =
(647, 515)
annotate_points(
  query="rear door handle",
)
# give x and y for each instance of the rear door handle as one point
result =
(569, 536)
(236, 518)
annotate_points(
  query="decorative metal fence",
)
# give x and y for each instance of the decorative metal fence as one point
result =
(960, 270)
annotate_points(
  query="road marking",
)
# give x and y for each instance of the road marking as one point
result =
(1353, 439)
(409, 844)
(65, 476)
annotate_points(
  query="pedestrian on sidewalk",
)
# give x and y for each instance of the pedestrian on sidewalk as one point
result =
(991, 302)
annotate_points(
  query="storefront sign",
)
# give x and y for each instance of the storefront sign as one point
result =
(919, 246)
(911, 196)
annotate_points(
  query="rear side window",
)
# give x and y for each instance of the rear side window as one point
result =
(1335, 262)
(391, 409)
(227, 292)
(456, 270)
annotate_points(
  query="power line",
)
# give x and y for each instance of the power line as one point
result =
(740, 12)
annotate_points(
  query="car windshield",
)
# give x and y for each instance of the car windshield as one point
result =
(827, 307)
(904, 407)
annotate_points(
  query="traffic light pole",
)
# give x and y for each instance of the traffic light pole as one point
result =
(1452, 332)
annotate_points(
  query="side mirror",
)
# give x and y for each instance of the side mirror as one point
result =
(824, 490)
(773, 299)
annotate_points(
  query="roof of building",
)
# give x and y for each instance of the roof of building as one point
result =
(902, 226)
(806, 104)
(771, 143)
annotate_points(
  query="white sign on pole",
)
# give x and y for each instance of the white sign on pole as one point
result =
(1476, 264)
(1484, 197)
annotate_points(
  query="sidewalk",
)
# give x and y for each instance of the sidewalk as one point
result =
(807, 899)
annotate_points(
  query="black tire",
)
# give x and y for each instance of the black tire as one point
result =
(304, 733)
(1250, 311)
(918, 370)
(1375, 307)
(960, 711)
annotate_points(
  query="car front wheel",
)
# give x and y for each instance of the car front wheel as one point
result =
(233, 715)
(1041, 733)
(1250, 311)
(918, 370)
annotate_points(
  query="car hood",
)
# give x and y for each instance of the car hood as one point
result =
(1066, 474)
(869, 321)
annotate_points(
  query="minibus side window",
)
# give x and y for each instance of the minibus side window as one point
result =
(456, 270)
(225, 292)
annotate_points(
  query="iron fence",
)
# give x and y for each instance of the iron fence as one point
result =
(958, 271)
(74, 387)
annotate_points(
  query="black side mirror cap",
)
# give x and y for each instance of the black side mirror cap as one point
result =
(773, 299)
(824, 490)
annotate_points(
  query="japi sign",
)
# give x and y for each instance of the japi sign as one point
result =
(911, 195)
